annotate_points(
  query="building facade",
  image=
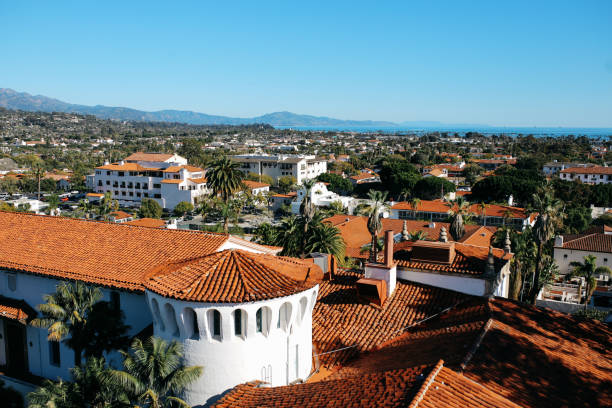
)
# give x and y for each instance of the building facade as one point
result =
(165, 178)
(588, 175)
(277, 166)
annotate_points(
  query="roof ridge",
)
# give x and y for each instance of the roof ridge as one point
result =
(426, 384)
(476, 345)
(239, 268)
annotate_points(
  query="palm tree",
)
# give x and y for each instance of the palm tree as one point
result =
(459, 212)
(224, 178)
(52, 395)
(153, 374)
(405, 194)
(265, 234)
(374, 219)
(483, 208)
(65, 313)
(307, 212)
(289, 236)
(550, 215)
(327, 239)
(588, 270)
(38, 172)
(107, 206)
(418, 235)
(415, 203)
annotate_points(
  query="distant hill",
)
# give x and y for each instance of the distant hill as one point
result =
(11, 99)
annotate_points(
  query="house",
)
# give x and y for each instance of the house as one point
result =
(555, 167)
(493, 164)
(276, 201)
(596, 241)
(433, 347)
(165, 178)
(279, 331)
(588, 175)
(437, 210)
(120, 217)
(256, 188)
(302, 167)
(365, 176)
(321, 197)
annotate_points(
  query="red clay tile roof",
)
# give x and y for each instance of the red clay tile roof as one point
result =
(108, 254)
(147, 222)
(198, 180)
(469, 259)
(588, 170)
(124, 167)
(119, 215)
(385, 389)
(596, 242)
(172, 181)
(439, 206)
(16, 309)
(149, 157)
(340, 319)
(254, 184)
(233, 276)
(176, 169)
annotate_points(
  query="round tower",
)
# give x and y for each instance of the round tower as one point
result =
(241, 316)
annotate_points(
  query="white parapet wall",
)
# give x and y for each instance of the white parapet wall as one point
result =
(271, 342)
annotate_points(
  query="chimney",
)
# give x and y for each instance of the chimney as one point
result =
(121, 162)
(106, 162)
(432, 225)
(443, 235)
(559, 241)
(388, 248)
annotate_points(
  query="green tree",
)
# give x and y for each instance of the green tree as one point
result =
(265, 234)
(577, 220)
(262, 178)
(549, 218)
(430, 188)
(38, 172)
(65, 313)
(286, 183)
(53, 202)
(398, 174)
(107, 206)
(153, 375)
(459, 212)
(150, 208)
(289, 236)
(307, 211)
(589, 270)
(191, 149)
(374, 219)
(326, 238)
(224, 179)
(183, 208)
(337, 183)
(471, 172)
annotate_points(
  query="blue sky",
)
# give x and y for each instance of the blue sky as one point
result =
(513, 63)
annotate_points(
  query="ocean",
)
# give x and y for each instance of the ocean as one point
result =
(489, 130)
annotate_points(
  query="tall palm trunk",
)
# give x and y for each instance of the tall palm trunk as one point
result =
(225, 222)
(536, 275)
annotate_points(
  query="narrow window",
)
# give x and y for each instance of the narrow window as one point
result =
(214, 319)
(115, 300)
(238, 323)
(12, 281)
(259, 320)
(54, 353)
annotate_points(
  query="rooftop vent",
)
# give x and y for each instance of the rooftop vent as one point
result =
(372, 290)
(432, 251)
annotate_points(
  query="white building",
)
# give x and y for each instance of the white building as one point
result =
(573, 248)
(555, 167)
(321, 197)
(588, 175)
(166, 178)
(276, 166)
(182, 283)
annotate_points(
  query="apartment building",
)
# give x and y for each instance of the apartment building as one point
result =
(589, 175)
(276, 166)
(166, 178)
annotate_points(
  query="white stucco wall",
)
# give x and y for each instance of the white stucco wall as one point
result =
(31, 288)
(468, 285)
(574, 255)
(280, 356)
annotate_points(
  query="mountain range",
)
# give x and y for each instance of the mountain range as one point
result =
(11, 99)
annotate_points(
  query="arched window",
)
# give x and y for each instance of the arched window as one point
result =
(284, 316)
(239, 322)
(313, 301)
(303, 307)
(157, 314)
(214, 324)
(262, 320)
(190, 320)
(170, 319)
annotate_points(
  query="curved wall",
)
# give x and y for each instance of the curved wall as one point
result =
(256, 347)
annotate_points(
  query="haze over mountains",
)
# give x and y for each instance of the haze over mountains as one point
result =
(11, 99)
